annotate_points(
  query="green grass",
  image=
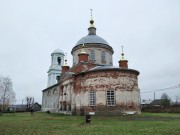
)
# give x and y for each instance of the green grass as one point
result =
(56, 124)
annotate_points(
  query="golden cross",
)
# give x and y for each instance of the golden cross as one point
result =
(91, 13)
(122, 49)
(122, 54)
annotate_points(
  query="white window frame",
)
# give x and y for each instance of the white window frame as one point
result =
(103, 56)
(92, 55)
(92, 98)
(110, 98)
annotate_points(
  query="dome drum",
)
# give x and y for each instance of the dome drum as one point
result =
(99, 50)
(88, 45)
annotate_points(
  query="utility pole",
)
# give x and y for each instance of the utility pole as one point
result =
(154, 96)
(176, 99)
(22, 102)
(15, 105)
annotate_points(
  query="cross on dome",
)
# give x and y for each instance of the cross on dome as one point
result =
(122, 54)
(91, 21)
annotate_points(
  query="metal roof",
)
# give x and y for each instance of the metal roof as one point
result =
(103, 67)
(109, 67)
(58, 51)
(92, 39)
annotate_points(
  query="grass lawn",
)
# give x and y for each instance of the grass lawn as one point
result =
(56, 124)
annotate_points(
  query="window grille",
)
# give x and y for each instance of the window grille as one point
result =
(110, 98)
(103, 56)
(92, 98)
(92, 55)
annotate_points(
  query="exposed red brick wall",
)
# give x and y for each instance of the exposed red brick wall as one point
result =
(83, 57)
(102, 80)
(81, 67)
(65, 68)
(80, 79)
(77, 69)
(123, 63)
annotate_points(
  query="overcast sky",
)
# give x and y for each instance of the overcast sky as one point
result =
(149, 30)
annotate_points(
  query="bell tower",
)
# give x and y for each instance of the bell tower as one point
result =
(54, 72)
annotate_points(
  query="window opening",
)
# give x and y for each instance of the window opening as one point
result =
(110, 98)
(92, 98)
(49, 93)
(103, 56)
(92, 55)
(55, 91)
(59, 60)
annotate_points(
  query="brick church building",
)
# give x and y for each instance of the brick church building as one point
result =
(92, 84)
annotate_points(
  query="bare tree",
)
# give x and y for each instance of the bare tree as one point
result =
(165, 100)
(7, 95)
(29, 102)
(177, 99)
(165, 96)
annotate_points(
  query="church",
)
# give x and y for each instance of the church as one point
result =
(92, 85)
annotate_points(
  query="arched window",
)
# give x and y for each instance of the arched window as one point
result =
(92, 55)
(55, 91)
(48, 93)
(59, 61)
(57, 78)
(103, 56)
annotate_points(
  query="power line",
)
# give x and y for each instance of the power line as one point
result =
(173, 87)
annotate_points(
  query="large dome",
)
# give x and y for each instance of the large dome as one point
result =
(99, 51)
(92, 39)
